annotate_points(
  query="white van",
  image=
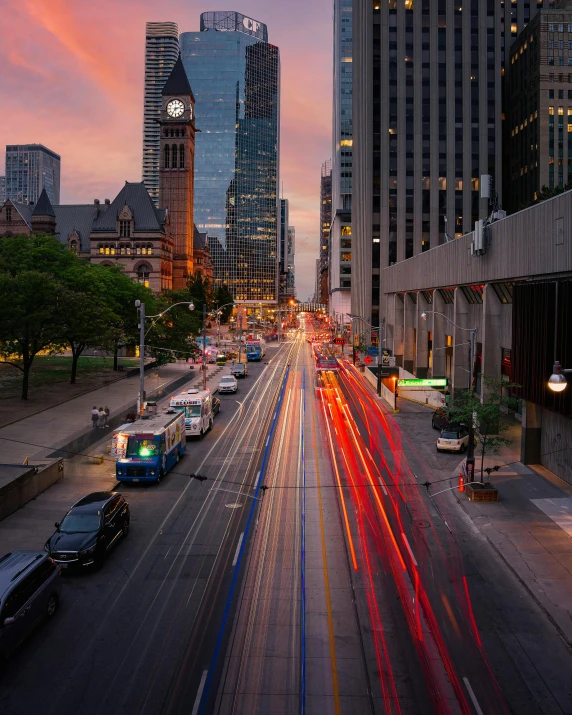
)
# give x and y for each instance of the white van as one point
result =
(198, 408)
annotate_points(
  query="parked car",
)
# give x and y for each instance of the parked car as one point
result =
(30, 590)
(453, 439)
(216, 405)
(239, 369)
(89, 530)
(228, 383)
(439, 419)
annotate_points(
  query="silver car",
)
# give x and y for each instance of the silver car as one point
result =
(228, 383)
(30, 590)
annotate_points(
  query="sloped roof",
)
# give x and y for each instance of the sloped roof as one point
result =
(25, 212)
(200, 240)
(44, 206)
(178, 82)
(79, 218)
(135, 195)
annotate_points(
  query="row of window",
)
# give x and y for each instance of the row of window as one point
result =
(560, 27)
(560, 61)
(174, 157)
(124, 249)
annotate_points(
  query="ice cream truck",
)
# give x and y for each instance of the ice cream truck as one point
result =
(149, 447)
(197, 406)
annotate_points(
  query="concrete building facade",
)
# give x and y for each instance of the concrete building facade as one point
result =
(325, 229)
(340, 268)
(427, 123)
(30, 168)
(518, 296)
(539, 107)
(161, 52)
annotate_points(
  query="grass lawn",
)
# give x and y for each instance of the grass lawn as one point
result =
(47, 370)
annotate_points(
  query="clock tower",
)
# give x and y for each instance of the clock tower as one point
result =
(177, 167)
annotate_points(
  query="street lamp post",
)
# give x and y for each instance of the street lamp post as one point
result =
(557, 381)
(141, 308)
(472, 356)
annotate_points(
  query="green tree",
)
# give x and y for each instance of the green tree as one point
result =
(173, 334)
(222, 296)
(199, 291)
(31, 295)
(487, 416)
(121, 293)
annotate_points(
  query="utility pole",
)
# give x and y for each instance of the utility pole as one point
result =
(141, 307)
(279, 322)
(204, 347)
(471, 446)
(379, 360)
(239, 335)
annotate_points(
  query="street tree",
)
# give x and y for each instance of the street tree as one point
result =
(223, 297)
(173, 334)
(487, 416)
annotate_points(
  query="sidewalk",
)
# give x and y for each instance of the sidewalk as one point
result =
(530, 527)
(68, 425)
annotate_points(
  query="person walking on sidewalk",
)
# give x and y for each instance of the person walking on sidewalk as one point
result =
(106, 410)
(94, 416)
(101, 418)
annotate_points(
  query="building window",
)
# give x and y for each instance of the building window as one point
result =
(125, 228)
(181, 157)
(551, 28)
(100, 249)
(167, 156)
(73, 247)
(550, 94)
(560, 27)
(143, 274)
(561, 61)
(551, 61)
(9, 214)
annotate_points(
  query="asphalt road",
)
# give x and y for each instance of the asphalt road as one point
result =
(142, 635)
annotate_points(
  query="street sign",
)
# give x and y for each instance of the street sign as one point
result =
(385, 358)
(368, 360)
(418, 382)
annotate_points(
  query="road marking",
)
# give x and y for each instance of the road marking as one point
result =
(408, 548)
(473, 697)
(200, 692)
(240, 538)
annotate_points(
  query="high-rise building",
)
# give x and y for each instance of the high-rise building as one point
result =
(161, 52)
(283, 247)
(235, 74)
(2, 189)
(29, 169)
(290, 256)
(340, 264)
(325, 227)
(427, 123)
(176, 168)
(539, 107)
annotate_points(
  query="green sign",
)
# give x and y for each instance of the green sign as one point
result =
(431, 382)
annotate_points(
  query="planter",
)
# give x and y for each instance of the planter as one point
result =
(482, 492)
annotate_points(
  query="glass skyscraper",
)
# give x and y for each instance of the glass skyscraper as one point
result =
(235, 76)
(29, 169)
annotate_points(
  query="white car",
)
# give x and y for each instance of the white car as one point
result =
(453, 440)
(228, 383)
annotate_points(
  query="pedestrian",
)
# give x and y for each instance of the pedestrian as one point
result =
(94, 416)
(106, 411)
(101, 418)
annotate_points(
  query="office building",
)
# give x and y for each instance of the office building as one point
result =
(29, 169)
(290, 262)
(2, 188)
(283, 247)
(539, 107)
(161, 52)
(325, 227)
(340, 263)
(235, 75)
(427, 123)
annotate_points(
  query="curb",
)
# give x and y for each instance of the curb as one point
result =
(523, 583)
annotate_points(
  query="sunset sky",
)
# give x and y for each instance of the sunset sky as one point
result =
(72, 79)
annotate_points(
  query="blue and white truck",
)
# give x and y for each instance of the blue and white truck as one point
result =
(255, 350)
(149, 447)
(197, 406)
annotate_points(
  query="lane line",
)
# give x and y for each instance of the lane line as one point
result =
(200, 692)
(333, 660)
(241, 537)
(473, 696)
(408, 548)
(303, 562)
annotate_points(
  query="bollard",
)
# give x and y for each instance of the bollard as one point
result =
(461, 487)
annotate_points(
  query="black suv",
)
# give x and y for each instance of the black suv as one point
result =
(89, 530)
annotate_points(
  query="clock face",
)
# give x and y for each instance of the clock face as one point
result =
(175, 108)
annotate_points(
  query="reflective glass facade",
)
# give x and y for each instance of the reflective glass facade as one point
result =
(235, 79)
(29, 169)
